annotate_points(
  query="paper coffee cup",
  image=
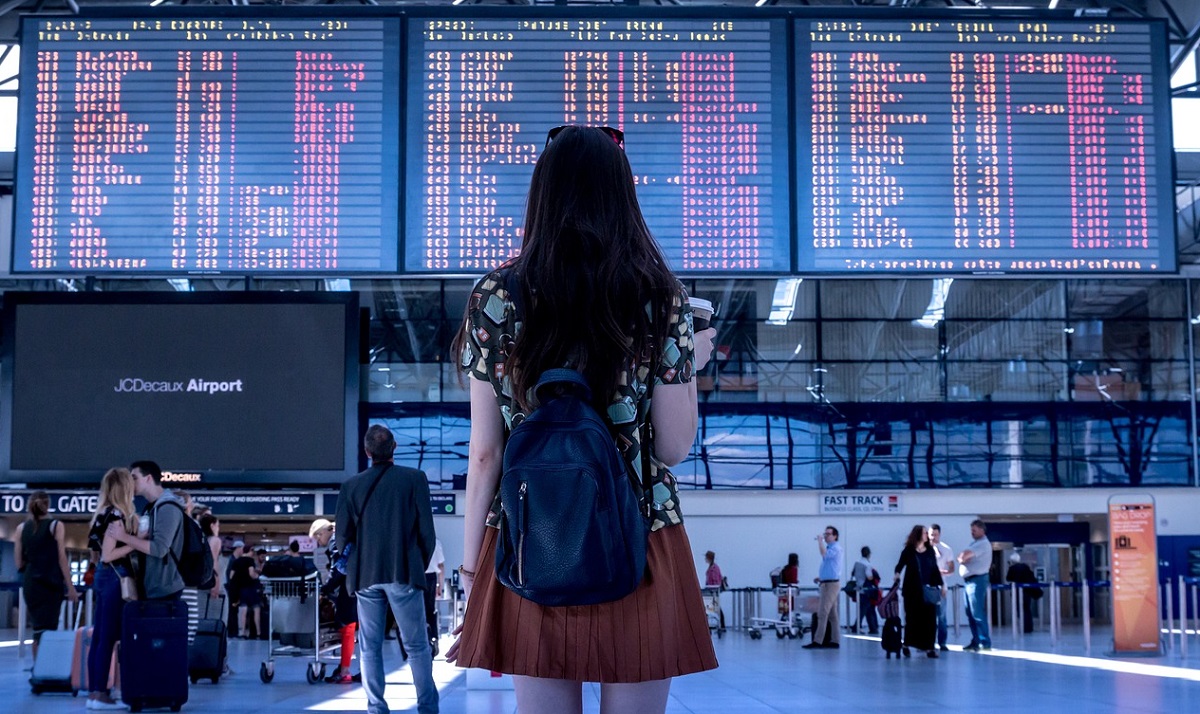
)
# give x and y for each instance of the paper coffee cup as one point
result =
(702, 312)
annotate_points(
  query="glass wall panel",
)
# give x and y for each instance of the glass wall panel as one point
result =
(874, 299)
(1005, 340)
(1006, 299)
(877, 340)
(1012, 380)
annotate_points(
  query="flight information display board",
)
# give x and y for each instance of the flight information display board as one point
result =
(995, 145)
(218, 144)
(702, 103)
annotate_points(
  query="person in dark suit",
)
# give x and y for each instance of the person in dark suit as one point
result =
(1019, 572)
(384, 518)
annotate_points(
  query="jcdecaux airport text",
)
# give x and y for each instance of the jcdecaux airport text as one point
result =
(133, 384)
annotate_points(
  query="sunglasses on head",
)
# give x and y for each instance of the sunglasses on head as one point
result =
(615, 134)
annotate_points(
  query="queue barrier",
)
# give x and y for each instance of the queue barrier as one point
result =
(1182, 627)
(747, 607)
(1053, 610)
(1186, 591)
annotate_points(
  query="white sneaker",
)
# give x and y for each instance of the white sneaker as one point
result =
(107, 706)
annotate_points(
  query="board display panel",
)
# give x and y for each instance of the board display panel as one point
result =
(702, 104)
(237, 388)
(983, 146)
(245, 144)
(772, 142)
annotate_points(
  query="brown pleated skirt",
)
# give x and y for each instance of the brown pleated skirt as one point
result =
(657, 631)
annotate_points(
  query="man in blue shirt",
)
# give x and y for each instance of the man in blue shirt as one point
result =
(827, 581)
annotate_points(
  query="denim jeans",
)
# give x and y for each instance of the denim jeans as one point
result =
(977, 592)
(866, 610)
(107, 629)
(408, 605)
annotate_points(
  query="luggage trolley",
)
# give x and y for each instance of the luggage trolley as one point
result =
(296, 603)
(790, 622)
(712, 610)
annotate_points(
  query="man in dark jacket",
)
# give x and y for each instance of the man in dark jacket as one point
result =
(1021, 573)
(385, 518)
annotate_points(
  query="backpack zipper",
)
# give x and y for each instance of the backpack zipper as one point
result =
(521, 534)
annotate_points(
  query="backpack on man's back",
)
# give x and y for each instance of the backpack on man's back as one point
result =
(195, 564)
(572, 530)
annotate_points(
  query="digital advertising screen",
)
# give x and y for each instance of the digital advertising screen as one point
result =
(207, 144)
(702, 104)
(261, 388)
(988, 145)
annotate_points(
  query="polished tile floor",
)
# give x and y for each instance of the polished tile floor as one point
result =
(756, 676)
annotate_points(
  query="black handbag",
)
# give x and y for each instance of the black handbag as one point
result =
(933, 594)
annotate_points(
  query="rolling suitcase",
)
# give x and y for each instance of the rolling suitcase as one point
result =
(893, 640)
(154, 655)
(206, 653)
(79, 665)
(828, 638)
(57, 651)
(79, 668)
(889, 608)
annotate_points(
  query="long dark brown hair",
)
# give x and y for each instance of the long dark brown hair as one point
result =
(591, 285)
(915, 536)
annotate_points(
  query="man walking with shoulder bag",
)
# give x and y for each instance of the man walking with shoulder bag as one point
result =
(384, 517)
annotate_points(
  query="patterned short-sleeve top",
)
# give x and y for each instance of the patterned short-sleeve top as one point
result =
(492, 327)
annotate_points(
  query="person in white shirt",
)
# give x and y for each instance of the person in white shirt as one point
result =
(435, 581)
(976, 565)
(865, 581)
(945, 561)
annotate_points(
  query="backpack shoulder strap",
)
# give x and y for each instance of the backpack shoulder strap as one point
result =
(182, 525)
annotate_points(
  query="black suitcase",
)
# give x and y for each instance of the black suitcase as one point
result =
(893, 640)
(828, 639)
(154, 655)
(206, 653)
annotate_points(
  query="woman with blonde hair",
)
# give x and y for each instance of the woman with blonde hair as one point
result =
(115, 505)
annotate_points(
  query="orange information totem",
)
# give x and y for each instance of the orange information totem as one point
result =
(1133, 543)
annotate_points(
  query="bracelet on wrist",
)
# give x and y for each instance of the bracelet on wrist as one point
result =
(463, 571)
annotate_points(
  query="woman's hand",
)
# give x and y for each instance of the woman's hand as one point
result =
(72, 594)
(704, 343)
(465, 580)
(452, 653)
(117, 533)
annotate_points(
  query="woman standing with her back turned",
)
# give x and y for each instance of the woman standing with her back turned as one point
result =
(41, 555)
(595, 294)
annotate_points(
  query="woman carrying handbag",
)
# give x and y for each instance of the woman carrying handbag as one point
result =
(115, 582)
(923, 589)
